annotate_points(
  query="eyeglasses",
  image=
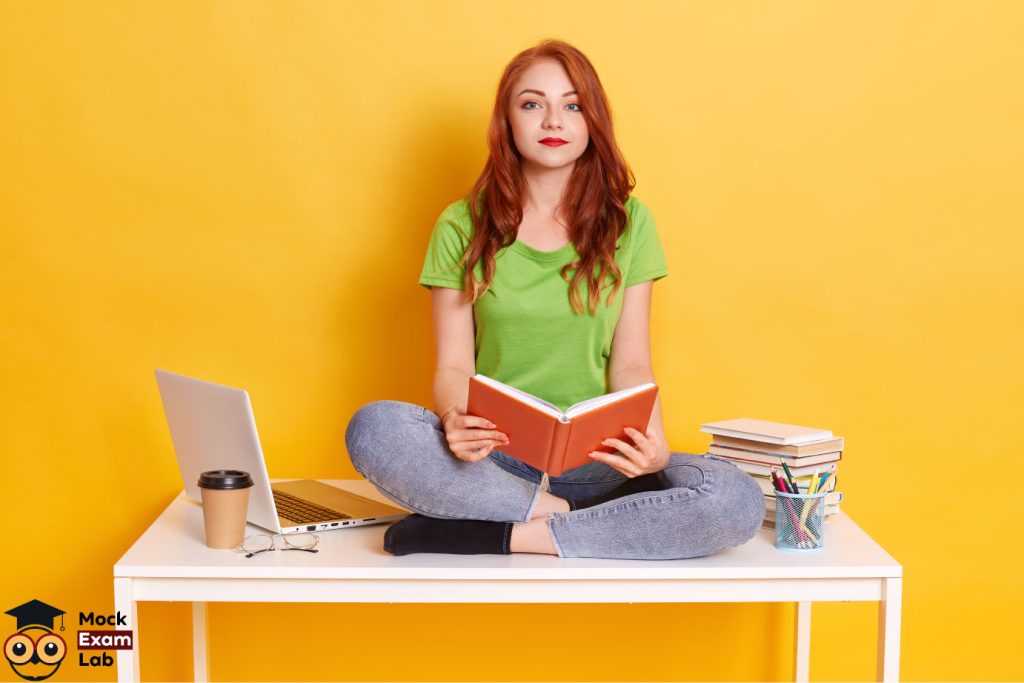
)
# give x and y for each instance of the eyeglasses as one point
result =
(254, 545)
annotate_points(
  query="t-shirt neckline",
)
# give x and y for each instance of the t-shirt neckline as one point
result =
(538, 255)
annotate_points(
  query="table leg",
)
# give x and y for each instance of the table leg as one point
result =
(889, 630)
(124, 602)
(200, 643)
(803, 642)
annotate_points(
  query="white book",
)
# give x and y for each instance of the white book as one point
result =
(765, 431)
(768, 489)
(799, 473)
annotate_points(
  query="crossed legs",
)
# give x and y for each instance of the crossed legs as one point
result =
(535, 536)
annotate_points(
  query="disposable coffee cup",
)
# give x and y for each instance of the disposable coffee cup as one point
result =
(225, 504)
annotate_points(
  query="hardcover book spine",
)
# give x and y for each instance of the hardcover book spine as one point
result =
(556, 457)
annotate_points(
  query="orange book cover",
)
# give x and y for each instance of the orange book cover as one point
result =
(553, 440)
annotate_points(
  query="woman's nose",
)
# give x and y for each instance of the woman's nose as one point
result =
(553, 119)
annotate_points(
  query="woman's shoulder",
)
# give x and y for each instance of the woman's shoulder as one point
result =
(456, 219)
(636, 207)
(460, 207)
(457, 213)
(639, 216)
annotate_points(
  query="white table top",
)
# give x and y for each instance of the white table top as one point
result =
(173, 547)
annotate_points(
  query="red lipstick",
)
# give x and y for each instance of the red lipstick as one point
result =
(554, 142)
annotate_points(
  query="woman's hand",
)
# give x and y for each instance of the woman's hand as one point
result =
(649, 454)
(470, 438)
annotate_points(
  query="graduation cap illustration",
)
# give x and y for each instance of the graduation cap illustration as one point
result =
(36, 613)
(35, 652)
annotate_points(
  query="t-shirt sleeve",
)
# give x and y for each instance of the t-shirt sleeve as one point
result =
(647, 259)
(447, 244)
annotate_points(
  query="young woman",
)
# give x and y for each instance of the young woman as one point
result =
(541, 278)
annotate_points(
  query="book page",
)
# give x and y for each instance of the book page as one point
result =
(522, 396)
(765, 430)
(598, 401)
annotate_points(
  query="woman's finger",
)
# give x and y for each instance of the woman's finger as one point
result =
(474, 456)
(476, 444)
(470, 455)
(645, 444)
(638, 437)
(475, 434)
(618, 462)
(473, 421)
(627, 450)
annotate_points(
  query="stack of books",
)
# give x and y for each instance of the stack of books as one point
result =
(758, 446)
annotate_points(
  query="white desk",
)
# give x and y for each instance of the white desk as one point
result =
(170, 562)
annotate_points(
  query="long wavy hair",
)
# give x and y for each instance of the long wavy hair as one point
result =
(594, 199)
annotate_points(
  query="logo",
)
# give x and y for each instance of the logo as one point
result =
(35, 652)
(102, 640)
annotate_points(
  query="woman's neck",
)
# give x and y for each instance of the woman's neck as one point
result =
(545, 188)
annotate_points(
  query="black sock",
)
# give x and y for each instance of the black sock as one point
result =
(421, 534)
(654, 481)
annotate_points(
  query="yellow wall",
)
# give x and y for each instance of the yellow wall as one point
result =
(243, 191)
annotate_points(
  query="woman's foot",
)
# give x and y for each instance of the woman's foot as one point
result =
(533, 537)
(421, 534)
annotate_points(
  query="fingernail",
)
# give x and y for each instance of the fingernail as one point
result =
(491, 425)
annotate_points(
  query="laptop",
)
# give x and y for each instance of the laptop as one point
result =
(213, 428)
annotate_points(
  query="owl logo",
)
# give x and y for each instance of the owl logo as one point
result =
(35, 651)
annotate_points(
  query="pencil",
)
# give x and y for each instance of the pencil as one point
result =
(789, 475)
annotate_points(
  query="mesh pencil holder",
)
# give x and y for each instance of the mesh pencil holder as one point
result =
(799, 521)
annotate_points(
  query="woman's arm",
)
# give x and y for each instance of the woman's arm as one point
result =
(629, 365)
(454, 338)
(470, 438)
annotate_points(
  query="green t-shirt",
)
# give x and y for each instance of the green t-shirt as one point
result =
(527, 334)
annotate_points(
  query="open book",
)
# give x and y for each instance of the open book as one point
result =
(554, 441)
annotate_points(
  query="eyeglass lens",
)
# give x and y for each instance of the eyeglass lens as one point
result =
(254, 545)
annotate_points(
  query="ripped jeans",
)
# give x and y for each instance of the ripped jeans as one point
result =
(710, 505)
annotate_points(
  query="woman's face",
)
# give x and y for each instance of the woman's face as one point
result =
(544, 108)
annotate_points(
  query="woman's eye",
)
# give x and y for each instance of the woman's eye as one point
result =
(527, 105)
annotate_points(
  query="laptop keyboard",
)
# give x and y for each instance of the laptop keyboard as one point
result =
(302, 512)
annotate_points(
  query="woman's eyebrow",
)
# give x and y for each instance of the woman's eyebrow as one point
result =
(571, 92)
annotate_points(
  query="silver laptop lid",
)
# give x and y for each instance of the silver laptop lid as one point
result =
(213, 428)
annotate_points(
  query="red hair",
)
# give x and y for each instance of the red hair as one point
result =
(594, 199)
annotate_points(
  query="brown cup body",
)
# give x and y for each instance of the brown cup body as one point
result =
(224, 513)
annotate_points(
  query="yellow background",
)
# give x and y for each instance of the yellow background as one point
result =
(243, 191)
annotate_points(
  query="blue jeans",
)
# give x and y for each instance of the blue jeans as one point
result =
(711, 504)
